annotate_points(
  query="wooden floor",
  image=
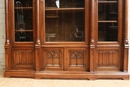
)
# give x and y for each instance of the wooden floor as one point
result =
(28, 82)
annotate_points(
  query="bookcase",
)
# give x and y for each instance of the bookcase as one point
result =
(67, 39)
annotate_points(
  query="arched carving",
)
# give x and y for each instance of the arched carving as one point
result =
(53, 57)
(76, 57)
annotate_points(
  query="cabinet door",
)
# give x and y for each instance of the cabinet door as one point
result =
(23, 17)
(23, 59)
(109, 41)
(65, 26)
(22, 52)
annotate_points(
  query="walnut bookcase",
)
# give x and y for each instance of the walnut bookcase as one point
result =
(67, 39)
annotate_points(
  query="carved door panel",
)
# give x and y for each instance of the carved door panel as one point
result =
(108, 59)
(77, 59)
(52, 58)
(109, 35)
(23, 58)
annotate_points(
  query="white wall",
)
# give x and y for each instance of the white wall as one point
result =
(2, 33)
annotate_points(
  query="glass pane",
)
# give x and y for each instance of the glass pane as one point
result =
(66, 22)
(23, 20)
(107, 31)
(107, 20)
(107, 11)
(64, 3)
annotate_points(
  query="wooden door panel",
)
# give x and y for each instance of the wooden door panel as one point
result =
(23, 58)
(52, 58)
(77, 59)
(108, 59)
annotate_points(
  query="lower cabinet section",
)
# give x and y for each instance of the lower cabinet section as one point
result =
(66, 63)
(65, 59)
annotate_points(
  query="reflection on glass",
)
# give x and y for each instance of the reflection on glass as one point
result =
(57, 3)
(64, 3)
(64, 20)
(23, 21)
(107, 20)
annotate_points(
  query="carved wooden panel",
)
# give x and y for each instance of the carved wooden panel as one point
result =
(23, 58)
(77, 58)
(107, 58)
(53, 58)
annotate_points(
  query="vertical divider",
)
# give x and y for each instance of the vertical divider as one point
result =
(92, 36)
(7, 36)
(37, 44)
(126, 45)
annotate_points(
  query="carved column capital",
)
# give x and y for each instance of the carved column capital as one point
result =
(7, 41)
(38, 42)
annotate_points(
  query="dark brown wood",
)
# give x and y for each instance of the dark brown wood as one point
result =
(60, 57)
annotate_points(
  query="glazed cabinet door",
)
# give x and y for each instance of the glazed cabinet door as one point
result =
(21, 13)
(109, 36)
(64, 34)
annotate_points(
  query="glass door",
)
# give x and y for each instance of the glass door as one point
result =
(109, 43)
(64, 21)
(23, 20)
(107, 20)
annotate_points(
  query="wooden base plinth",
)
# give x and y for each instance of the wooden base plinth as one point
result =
(64, 75)
(24, 74)
(68, 75)
(82, 75)
(112, 75)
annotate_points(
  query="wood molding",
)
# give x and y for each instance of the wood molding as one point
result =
(37, 23)
(126, 21)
